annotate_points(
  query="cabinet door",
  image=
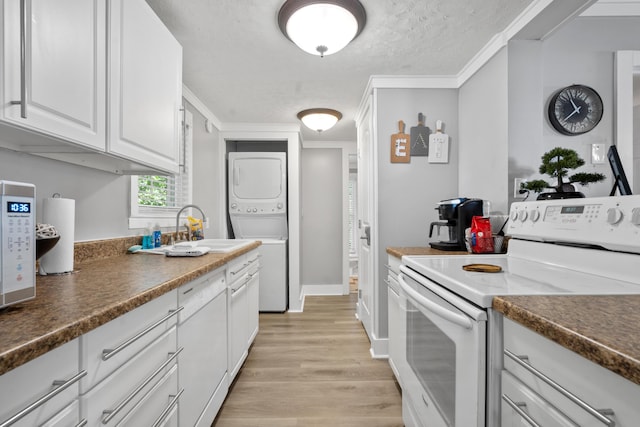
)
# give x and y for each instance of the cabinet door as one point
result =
(253, 306)
(59, 87)
(145, 86)
(238, 325)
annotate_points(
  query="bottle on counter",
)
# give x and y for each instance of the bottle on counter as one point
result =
(147, 238)
(157, 236)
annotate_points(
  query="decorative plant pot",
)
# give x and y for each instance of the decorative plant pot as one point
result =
(560, 195)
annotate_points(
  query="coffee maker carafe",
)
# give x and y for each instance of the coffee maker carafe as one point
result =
(455, 214)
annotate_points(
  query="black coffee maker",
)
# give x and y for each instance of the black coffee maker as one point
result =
(455, 214)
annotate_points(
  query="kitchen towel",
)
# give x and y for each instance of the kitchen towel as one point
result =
(60, 213)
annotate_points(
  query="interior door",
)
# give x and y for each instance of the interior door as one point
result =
(366, 251)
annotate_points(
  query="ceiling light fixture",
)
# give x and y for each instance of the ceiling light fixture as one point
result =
(321, 27)
(319, 119)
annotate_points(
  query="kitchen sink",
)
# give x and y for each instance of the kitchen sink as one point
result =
(216, 245)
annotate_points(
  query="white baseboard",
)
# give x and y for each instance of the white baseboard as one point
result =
(324, 290)
(379, 348)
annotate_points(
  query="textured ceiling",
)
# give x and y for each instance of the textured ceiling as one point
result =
(244, 70)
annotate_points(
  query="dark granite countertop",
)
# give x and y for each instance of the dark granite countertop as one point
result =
(99, 290)
(603, 329)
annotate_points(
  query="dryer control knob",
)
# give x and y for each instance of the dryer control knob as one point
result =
(514, 215)
(614, 215)
(234, 205)
(535, 215)
(248, 210)
(279, 205)
(255, 210)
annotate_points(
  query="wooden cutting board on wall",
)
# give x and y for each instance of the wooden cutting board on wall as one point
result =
(400, 145)
(420, 138)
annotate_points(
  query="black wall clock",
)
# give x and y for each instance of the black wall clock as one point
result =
(575, 110)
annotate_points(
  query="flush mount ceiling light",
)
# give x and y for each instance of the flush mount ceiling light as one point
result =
(319, 119)
(321, 27)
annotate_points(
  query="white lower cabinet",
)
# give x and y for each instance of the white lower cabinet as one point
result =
(25, 391)
(546, 384)
(165, 363)
(125, 360)
(243, 305)
(202, 332)
(253, 301)
(397, 320)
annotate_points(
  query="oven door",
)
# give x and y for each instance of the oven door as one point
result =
(446, 354)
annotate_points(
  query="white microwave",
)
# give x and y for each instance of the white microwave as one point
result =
(18, 249)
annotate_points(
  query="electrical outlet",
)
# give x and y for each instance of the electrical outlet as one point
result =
(598, 154)
(516, 188)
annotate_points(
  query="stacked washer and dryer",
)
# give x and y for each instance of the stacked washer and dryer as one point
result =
(258, 210)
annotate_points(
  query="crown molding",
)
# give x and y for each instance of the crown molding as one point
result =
(203, 109)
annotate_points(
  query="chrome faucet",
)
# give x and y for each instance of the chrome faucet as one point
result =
(178, 218)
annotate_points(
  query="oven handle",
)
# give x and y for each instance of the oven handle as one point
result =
(452, 317)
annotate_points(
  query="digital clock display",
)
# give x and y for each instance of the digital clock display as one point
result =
(572, 210)
(18, 207)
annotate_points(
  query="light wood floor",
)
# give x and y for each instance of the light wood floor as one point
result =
(313, 369)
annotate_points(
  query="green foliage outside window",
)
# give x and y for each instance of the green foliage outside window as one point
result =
(152, 190)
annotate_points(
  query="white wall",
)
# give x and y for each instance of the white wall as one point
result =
(582, 51)
(321, 258)
(483, 161)
(206, 188)
(409, 192)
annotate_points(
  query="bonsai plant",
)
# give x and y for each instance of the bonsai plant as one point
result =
(557, 163)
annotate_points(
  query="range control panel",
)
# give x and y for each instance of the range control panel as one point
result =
(18, 250)
(610, 222)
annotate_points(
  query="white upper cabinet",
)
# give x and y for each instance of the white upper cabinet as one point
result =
(145, 86)
(99, 84)
(58, 87)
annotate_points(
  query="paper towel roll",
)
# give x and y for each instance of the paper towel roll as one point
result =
(60, 213)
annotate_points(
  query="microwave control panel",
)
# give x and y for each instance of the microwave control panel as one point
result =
(18, 250)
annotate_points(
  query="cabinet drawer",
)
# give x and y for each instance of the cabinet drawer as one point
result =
(26, 384)
(124, 389)
(236, 268)
(239, 266)
(594, 385)
(116, 334)
(394, 265)
(520, 402)
(160, 404)
(68, 417)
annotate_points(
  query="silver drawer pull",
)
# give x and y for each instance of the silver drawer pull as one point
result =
(168, 409)
(599, 414)
(82, 423)
(23, 61)
(108, 353)
(233, 273)
(108, 414)
(62, 385)
(517, 406)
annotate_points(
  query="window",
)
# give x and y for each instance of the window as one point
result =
(156, 199)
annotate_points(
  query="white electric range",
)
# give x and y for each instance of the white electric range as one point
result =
(585, 246)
